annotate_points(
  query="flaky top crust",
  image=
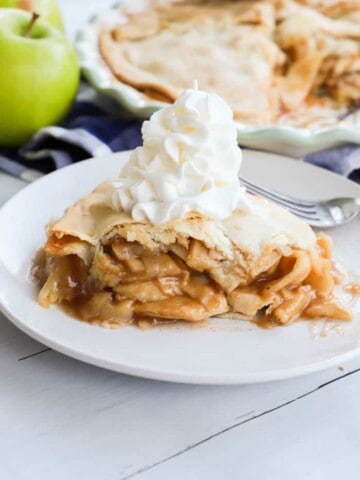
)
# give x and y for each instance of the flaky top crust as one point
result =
(272, 60)
(262, 228)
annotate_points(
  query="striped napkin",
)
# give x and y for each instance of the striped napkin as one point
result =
(94, 128)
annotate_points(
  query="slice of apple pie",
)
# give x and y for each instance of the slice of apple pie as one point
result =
(176, 237)
(108, 269)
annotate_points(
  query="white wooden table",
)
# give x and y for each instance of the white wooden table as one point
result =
(62, 419)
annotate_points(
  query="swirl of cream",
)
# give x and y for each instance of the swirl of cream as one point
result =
(189, 162)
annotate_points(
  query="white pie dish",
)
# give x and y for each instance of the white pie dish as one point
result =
(224, 352)
(279, 138)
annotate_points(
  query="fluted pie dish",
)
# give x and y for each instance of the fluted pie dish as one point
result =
(289, 69)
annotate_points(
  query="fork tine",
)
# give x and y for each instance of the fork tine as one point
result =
(308, 212)
(276, 195)
(321, 214)
(309, 217)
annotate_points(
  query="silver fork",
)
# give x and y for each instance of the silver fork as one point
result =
(321, 214)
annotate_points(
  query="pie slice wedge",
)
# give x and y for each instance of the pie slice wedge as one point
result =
(263, 264)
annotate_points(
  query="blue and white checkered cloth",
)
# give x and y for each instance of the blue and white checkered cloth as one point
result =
(94, 127)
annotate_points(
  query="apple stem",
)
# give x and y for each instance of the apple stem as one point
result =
(32, 22)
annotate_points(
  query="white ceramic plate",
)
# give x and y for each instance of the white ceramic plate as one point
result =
(226, 351)
(280, 138)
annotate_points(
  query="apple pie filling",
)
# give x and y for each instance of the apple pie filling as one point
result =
(123, 282)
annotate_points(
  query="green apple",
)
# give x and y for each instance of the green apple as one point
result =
(47, 9)
(39, 76)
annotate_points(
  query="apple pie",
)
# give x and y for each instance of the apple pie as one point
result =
(176, 237)
(265, 265)
(272, 60)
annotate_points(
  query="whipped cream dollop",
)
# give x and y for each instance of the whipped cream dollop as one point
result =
(189, 162)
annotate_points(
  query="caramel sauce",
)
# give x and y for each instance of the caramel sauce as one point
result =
(75, 309)
(266, 322)
(38, 269)
(146, 323)
(353, 288)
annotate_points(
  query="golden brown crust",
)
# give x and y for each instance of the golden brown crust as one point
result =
(228, 50)
(255, 233)
(264, 57)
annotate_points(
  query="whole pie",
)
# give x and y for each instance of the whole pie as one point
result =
(272, 60)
